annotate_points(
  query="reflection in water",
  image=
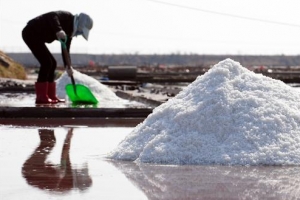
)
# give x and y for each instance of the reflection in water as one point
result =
(47, 176)
(213, 182)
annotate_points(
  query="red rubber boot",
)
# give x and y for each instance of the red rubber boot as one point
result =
(41, 90)
(52, 93)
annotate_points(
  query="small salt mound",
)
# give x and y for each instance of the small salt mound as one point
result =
(100, 91)
(229, 115)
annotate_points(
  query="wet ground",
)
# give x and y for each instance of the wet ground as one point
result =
(69, 162)
(27, 99)
(20, 93)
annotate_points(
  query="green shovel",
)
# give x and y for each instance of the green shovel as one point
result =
(78, 94)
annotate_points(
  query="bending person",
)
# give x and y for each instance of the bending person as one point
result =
(46, 28)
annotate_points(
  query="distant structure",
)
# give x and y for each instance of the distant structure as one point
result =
(170, 60)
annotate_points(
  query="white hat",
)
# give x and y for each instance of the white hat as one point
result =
(85, 24)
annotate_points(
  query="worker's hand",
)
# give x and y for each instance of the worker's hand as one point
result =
(61, 35)
(70, 71)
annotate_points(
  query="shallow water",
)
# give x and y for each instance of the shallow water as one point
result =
(68, 162)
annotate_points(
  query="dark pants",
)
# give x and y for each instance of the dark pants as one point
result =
(41, 53)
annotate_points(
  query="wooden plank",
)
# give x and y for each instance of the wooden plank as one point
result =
(72, 122)
(54, 112)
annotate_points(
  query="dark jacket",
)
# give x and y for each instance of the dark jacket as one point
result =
(47, 25)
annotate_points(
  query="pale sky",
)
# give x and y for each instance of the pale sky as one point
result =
(259, 27)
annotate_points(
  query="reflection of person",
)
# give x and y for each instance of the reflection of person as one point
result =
(51, 177)
(58, 25)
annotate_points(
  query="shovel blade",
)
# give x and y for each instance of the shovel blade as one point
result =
(83, 94)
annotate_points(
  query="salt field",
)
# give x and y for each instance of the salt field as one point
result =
(230, 134)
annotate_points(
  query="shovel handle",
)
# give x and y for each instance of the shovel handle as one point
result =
(65, 52)
(64, 43)
(67, 59)
(73, 82)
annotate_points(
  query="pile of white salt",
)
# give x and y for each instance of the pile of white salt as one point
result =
(105, 96)
(229, 115)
